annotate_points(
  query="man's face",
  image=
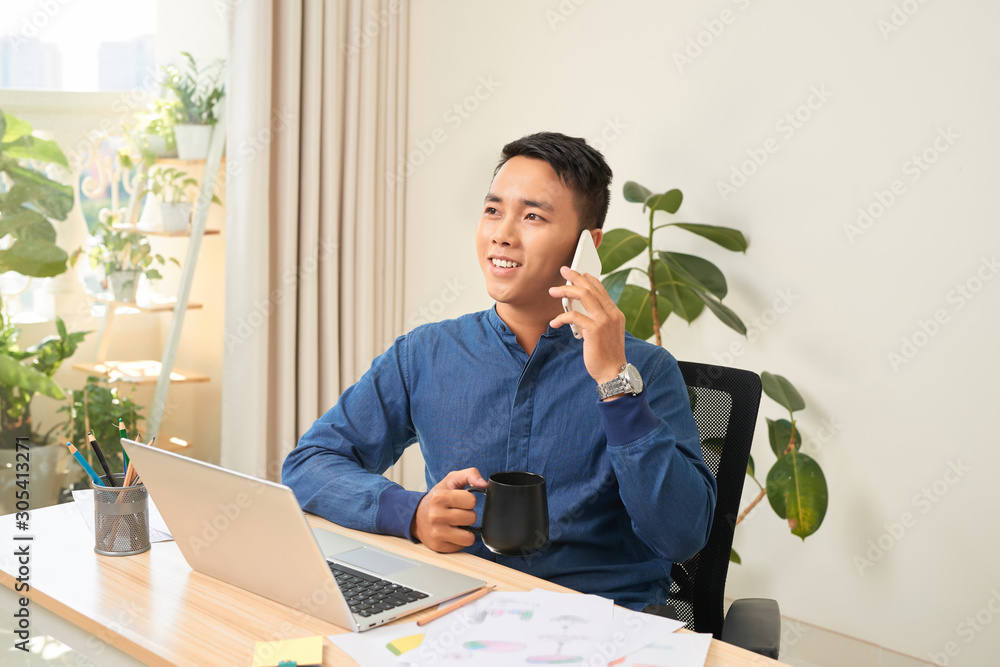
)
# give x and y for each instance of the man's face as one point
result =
(529, 228)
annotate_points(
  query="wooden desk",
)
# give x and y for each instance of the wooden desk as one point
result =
(153, 609)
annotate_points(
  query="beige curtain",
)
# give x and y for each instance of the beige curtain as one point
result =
(314, 247)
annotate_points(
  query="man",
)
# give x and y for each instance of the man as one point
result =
(511, 388)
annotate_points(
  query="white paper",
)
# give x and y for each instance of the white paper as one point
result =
(158, 531)
(680, 649)
(632, 630)
(501, 629)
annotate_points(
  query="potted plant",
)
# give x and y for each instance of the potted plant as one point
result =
(155, 132)
(197, 91)
(29, 201)
(687, 285)
(125, 255)
(98, 407)
(168, 207)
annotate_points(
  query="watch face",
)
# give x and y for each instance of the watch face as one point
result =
(634, 379)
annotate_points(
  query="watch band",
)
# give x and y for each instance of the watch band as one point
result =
(617, 385)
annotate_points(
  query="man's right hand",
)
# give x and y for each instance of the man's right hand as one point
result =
(446, 507)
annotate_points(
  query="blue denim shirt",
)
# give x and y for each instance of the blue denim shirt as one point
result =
(628, 490)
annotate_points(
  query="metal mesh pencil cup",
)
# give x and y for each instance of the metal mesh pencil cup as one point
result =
(121, 519)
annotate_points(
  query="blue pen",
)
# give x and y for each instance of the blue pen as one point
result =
(86, 466)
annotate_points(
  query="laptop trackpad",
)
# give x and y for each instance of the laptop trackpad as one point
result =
(374, 561)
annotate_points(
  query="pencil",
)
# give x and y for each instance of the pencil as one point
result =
(123, 434)
(83, 464)
(100, 458)
(434, 615)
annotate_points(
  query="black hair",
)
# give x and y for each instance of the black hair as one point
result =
(581, 167)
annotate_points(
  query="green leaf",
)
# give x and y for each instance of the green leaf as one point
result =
(724, 313)
(635, 193)
(41, 230)
(20, 217)
(33, 148)
(618, 247)
(38, 259)
(797, 491)
(615, 283)
(750, 466)
(13, 128)
(14, 374)
(636, 304)
(669, 201)
(684, 301)
(779, 433)
(714, 445)
(51, 198)
(781, 391)
(699, 273)
(734, 557)
(728, 238)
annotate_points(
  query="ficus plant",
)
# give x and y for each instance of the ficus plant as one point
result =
(795, 485)
(678, 283)
(686, 285)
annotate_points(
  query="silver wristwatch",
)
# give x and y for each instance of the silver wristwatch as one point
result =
(627, 381)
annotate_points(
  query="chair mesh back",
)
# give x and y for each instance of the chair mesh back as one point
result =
(724, 402)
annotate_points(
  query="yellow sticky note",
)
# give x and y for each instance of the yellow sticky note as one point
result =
(305, 651)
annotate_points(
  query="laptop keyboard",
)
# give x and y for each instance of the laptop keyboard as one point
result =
(367, 594)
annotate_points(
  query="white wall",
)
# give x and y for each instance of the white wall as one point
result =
(589, 67)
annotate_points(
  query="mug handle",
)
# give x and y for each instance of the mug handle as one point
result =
(475, 489)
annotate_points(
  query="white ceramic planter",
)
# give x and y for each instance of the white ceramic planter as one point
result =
(174, 217)
(192, 141)
(123, 285)
(157, 145)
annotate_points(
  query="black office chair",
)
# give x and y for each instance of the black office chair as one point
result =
(725, 402)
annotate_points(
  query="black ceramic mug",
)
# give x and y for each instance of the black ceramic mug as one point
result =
(515, 513)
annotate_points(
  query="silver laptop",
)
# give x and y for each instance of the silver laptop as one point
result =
(251, 533)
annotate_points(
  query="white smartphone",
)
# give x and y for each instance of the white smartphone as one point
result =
(586, 260)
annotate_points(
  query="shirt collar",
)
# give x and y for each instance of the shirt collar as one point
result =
(501, 327)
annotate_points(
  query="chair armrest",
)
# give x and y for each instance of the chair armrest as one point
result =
(755, 625)
(665, 610)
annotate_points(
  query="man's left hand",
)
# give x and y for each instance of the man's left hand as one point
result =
(602, 328)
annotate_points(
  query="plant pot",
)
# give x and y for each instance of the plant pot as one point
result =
(175, 217)
(123, 285)
(192, 141)
(48, 473)
(157, 145)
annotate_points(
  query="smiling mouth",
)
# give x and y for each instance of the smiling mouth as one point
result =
(504, 263)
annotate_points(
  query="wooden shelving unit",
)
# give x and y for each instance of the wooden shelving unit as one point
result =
(162, 372)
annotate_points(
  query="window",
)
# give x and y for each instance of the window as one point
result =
(77, 46)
